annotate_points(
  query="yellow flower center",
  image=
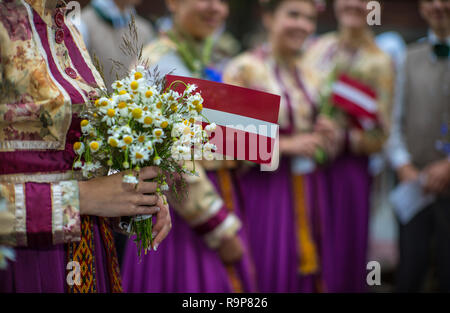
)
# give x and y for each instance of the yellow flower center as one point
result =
(77, 145)
(137, 113)
(139, 156)
(149, 93)
(174, 107)
(141, 139)
(96, 102)
(158, 133)
(138, 75)
(84, 123)
(113, 142)
(104, 103)
(95, 114)
(118, 84)
(134, 85)
(94, 145)
(191, 120)
(159, 105)
(164, 124)
(111, 112)
(148, 120)
(199, 107)
(128, 140)
(122, 92)
(122, 105)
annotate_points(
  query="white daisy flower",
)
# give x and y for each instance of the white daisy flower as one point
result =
(127, 139)
(211, 127)
(147, 120)
(110, 117)
(86, 127)
(95, 145)
(113, 141)
(157, 160)
(139, 154)
(118, 85)
(78, 147)
(77, 165)
(149, 146)
(130, 179)
(195, 102)
(164, 187)
(123, 108)
(190, 89)
(158, 135)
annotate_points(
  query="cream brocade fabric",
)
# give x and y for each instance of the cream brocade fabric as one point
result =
(30, 94)
(252, 70)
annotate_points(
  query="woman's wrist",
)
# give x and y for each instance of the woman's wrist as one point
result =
(84, 202)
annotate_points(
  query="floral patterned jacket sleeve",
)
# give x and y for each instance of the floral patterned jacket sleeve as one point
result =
(45, 72)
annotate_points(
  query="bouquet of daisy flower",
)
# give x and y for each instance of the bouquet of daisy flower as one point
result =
(143, 123)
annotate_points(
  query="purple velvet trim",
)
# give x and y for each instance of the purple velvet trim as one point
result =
(42, 161)
(38, 202)
(213, 222)
(41, 28)
(76, 57)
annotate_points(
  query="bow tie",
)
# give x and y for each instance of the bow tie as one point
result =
(441, 50)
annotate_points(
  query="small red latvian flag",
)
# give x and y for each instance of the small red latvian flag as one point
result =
(246, 119)
(357, 99)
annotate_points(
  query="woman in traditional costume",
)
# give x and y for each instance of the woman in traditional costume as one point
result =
(277, 214)
(59, 226)
(344, 201)
(206, 252)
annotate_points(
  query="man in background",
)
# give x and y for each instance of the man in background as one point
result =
(104, 23)
(418, 150)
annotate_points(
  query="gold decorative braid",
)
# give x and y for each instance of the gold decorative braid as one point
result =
(111, 256)
(308, 263)
(226, 187)
(225, 181)
(236, 283)
(83, 253)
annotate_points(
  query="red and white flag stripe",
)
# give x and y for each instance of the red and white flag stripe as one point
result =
(246, 119)
(354, 97)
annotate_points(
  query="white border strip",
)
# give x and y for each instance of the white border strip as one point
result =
(57, 214)
(356, 96)
(21, 215)
(239, 122)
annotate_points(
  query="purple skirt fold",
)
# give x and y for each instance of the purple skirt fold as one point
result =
(183, 263)
(270, 220)
(43, 269)
(340, 206)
